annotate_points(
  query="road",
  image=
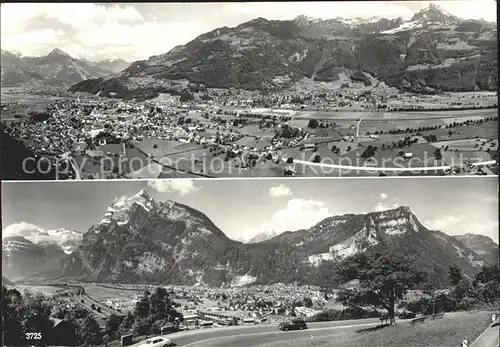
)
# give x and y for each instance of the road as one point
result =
(490, 337)
(373, 168)
(247, 336)
(86, 302)
(359, 122)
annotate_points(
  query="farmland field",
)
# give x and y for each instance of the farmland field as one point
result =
(46, 290)
(101, 293)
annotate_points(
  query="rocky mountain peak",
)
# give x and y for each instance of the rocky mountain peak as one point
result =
(434, 13)
(58, 52)
(122, 209)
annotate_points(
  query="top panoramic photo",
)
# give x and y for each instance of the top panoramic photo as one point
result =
(303, 89)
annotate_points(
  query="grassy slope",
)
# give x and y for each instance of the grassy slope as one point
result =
(446, 332)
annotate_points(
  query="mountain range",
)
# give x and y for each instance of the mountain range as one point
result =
(56, 69)
(481, 245)
(433, 51)
(140, 239)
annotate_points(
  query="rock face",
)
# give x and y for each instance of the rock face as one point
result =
(263, 236)
(56, 69)
(6, 281)
(482, 245)
(22, 258)
(434, 51)
(143, 240)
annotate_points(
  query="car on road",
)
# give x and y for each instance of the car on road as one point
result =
(406, 314)
(157, 342)
(294, 324)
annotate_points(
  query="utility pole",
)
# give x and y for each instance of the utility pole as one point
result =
(433, 301)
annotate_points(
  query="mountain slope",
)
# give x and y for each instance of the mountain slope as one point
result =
(338, 237)
(56, 68)
(263, 236)
(22, 258)
(431, 52)
(14, 166)
(482, 245)
(6, 281)
(140, 239)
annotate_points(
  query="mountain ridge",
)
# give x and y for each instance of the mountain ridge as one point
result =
(426, 55)
(57, 68)
(140, 239)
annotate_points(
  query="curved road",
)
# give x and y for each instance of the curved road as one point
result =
(490, 337)
(267, 334)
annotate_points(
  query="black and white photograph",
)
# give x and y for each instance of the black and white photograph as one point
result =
(263, 262)
(208, 90)
(250, 174)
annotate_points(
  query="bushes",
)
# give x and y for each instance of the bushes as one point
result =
(353, 312)
(483, 292)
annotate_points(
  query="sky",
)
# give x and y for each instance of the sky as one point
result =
(136, 31)
(243, 208)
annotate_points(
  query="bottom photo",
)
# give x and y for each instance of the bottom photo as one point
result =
(251, 262)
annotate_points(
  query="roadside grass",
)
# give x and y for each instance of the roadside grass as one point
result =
(446, 332)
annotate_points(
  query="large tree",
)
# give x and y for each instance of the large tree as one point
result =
(384, 279)
(454, 274)
(22, 314)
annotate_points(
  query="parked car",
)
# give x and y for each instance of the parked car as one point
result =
(294, 324)
(157, 342)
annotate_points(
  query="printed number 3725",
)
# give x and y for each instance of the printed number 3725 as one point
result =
(33, 336)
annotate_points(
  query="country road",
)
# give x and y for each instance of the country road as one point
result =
(264, 334)
(372, 168)
(489, 338)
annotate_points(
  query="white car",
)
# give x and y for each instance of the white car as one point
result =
(157, 342)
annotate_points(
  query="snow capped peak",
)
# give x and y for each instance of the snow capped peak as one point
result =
(121, 208)
(433, 13)
(141, 194)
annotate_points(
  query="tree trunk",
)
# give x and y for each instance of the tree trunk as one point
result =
(392, 318)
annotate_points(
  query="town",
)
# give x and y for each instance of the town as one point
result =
(194, 131)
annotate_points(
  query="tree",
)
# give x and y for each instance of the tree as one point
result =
(454, 274)
(113, 325)
(127, 323)
(307, 302)
(91, 332)
(384, 279)
(141, 327)
(142, 308)
(313, 123)
(11, 318)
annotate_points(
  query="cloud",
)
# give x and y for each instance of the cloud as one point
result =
(447, 222)
(461, 224)
(279, 191)
(384, 207)
(297, 214)
(137, 31)
(36, 234)
(120, 199)
(179, 185)
(384, 204)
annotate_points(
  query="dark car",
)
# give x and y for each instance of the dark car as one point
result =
(406, 314)
(294, 324)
